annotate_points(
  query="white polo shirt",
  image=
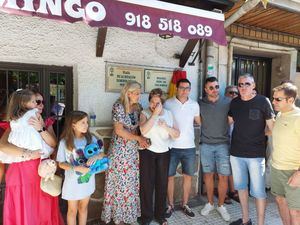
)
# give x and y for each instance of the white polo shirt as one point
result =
(183, 115)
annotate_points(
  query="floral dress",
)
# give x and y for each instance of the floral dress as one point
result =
(121, 192)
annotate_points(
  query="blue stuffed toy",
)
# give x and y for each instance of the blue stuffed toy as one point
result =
(97, 167)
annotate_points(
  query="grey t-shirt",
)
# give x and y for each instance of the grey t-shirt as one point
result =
(214, 121)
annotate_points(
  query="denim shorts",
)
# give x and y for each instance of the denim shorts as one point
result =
(215, 158)
(255, 167)
(186, 157)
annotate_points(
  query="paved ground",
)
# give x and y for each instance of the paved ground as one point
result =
(178, 218)
(272, 216)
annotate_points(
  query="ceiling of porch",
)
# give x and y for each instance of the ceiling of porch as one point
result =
(271, 18)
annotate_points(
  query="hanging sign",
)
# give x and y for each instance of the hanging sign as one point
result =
(136, 15)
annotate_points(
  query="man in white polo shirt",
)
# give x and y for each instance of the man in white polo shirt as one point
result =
(185, 112)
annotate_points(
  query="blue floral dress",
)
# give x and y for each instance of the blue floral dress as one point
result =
(121, 192)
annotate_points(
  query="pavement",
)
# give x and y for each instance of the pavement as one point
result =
(178, 218)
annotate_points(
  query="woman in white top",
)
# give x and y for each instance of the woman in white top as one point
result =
(156, 124)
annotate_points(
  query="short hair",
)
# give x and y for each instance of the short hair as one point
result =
(229, 87)
(287, 82)
(247, 75)
(210, 80)
(289, 90)
(157, 92)
(182, 81)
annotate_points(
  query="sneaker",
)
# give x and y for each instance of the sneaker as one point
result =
(188, 211)
(169, 211)
(240, 222)
(223, 212)
(207, 209)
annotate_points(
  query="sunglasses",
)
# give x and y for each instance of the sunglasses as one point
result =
(38, 102)
(247, 84)
(233, 92)
(279, 99)
(214, 87)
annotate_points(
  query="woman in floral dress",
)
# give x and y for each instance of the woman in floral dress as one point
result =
(121, 193)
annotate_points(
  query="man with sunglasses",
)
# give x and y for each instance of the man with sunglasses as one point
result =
(251, 113)
(285, 168)
(186, 112)
(215, 145)
(231, 91)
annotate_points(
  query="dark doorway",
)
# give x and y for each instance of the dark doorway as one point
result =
(259, 67)
(55, 83)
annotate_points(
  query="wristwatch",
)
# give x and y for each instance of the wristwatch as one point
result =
(41, 130)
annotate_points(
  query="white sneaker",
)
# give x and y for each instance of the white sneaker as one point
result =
(223, 212)
(207, 209)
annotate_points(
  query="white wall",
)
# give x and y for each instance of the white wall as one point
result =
(40, 41)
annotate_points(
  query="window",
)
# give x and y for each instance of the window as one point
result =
(55, 83)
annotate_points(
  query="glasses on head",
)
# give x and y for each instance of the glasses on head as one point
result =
(214, 87)
(246, 84)
(279, 99)
(184, 88)
(38, 102)
(233, 92)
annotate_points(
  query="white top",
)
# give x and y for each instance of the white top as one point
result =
(25, 136)
(160, 139)
(72, 189)
(184, 115)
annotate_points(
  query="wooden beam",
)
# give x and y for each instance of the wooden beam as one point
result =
(100, 41)
(186, 53)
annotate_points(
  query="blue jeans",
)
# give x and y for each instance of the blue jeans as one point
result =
(186, 157)
(215, 158)
(256, 169)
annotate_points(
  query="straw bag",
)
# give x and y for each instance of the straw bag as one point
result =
(51, 187)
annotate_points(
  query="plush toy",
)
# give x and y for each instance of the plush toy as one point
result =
(47, 169)
(97, 167)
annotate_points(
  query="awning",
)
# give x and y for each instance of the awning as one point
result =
(135, 15)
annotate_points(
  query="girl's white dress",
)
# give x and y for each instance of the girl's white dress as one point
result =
(25, 136)
(72, 189)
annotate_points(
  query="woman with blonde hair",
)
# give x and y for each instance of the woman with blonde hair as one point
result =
(121, 192)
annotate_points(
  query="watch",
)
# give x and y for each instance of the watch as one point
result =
(41, 130)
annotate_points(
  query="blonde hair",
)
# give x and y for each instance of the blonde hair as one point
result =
(130, 86)
(68, 132)
(17, 103)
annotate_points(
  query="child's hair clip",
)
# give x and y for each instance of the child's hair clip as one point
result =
(20, 89)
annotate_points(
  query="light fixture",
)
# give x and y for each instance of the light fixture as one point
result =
(166, 36)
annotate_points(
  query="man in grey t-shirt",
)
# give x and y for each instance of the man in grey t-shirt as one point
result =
(215, 145)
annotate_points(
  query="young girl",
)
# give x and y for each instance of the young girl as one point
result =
(21, 108)
(74, 138)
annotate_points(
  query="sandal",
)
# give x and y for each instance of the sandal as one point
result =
(234, 195)
(227, 200)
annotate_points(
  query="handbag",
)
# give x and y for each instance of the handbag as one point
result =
(51, 187)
